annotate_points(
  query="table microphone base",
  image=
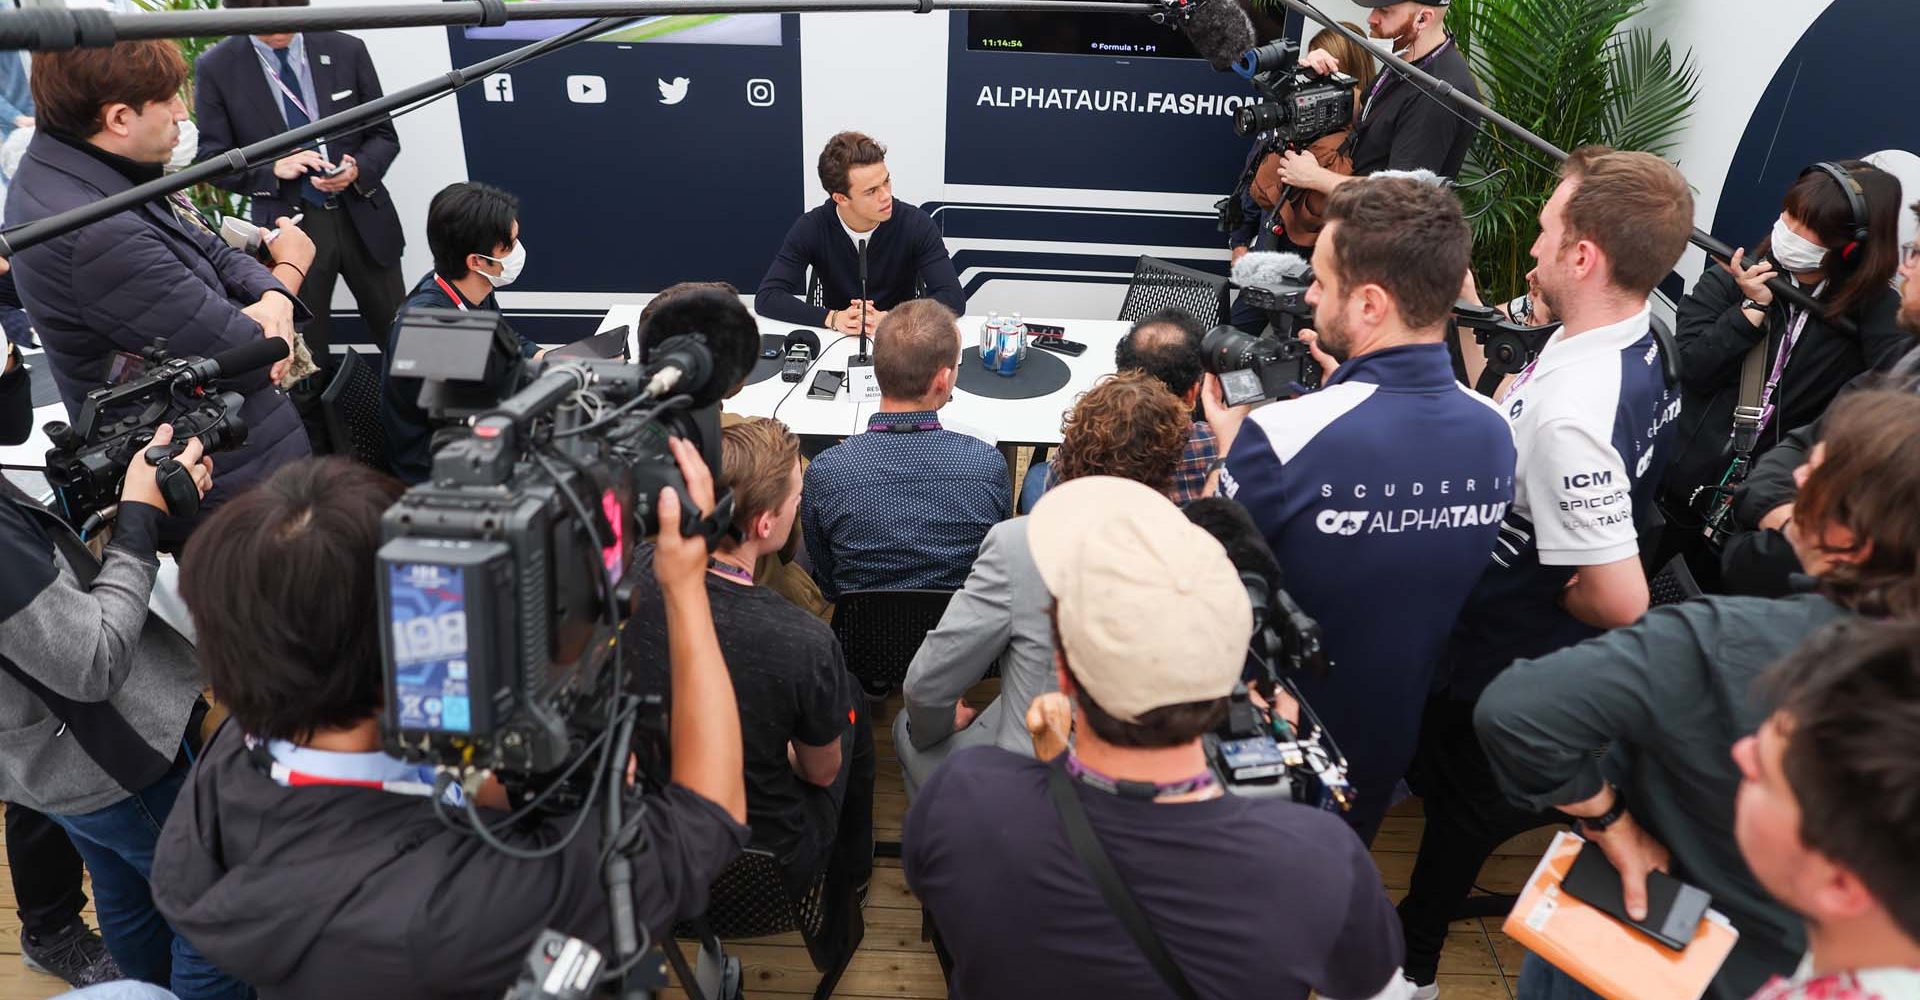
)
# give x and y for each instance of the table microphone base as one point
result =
(860, 360)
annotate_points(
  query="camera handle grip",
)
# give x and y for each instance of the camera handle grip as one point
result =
(176, 486)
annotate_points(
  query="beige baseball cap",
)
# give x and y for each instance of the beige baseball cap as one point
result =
(1152, 612)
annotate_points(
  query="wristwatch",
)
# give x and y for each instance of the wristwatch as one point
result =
(1599, 824)
(1746, 304)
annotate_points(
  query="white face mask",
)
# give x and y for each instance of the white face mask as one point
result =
(186, 148)
(510, 265)
(1796, 253)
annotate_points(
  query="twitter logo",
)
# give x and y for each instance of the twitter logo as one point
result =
(675, 92)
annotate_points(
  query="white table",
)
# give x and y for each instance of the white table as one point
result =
(998, 421)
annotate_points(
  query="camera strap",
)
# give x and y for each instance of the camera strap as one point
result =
(1086, 843)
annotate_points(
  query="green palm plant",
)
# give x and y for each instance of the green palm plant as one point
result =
(1574, 73)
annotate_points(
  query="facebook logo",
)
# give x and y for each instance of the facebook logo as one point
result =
(498, 87)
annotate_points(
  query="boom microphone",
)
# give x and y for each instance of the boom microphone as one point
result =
(683, 365)
(235, 361)
(1265, 269)
(1218, 29)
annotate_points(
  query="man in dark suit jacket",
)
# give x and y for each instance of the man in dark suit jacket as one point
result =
(906, 256)
(109, 120)
(253, 88)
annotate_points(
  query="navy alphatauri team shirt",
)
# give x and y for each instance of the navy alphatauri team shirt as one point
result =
(1381, 495)
(1593, 419)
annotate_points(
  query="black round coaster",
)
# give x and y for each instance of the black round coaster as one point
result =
(765, 368)
(1040, 374)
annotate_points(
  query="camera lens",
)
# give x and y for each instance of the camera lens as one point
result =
(1266, 116)
(1225, 349)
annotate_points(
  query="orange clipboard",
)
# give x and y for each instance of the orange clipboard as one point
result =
(1609, 957)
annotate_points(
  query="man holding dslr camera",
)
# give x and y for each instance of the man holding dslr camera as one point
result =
(1382, 492)
(99, 701)
(312, 864)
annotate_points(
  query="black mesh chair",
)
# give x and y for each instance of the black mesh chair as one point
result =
(350, 405)
(880, 630)
(1673, 584)
(1158, 284)
(751, 899)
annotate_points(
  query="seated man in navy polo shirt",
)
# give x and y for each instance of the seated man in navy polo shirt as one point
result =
(906, 256)
(906, 504)
(1381, 494)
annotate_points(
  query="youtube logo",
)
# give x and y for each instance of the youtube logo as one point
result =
(587, 89)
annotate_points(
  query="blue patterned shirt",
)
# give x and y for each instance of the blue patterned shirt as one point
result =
(902, 506)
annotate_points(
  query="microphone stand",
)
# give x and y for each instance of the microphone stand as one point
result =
(1444, 91)
(18, 238)
(865, 357)
(45, 29)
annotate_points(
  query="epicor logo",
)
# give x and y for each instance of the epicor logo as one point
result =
(1341, 522)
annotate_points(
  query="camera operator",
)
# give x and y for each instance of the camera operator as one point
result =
(1829, 807)
(1630, 732)
(1151, 622)
(310, 863)
(1276, 217)
(99, 702)
(1837, 237)
(1758, 559)
(1400, 126)
(1591, 416)
(108, 120)
(1381, 493)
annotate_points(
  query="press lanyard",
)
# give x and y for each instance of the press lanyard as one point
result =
(1380, 85)
(281, 85)
(455, 296)
(1795, 327)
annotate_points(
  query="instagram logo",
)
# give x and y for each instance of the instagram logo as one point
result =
(760, 93)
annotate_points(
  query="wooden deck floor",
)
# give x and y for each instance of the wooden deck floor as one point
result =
(1479, 963)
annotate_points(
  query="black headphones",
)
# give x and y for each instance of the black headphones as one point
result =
(1856, 202)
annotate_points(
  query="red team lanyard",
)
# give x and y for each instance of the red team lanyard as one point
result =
(455, 296)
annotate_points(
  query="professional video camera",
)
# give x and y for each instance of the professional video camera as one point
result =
(1301, 106)
(1298, 108)
(1509, 345)
(504, 578)
(1257, 751)
(1276, 364)
(89, 457)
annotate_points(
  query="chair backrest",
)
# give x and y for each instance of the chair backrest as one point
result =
(1158, 284)
(880, 630)
(1673, 584)
(749, 899)
(350, 406)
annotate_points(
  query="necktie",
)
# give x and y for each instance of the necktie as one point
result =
(296, 117)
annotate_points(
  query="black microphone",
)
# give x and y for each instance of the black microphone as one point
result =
(683, 366)
(1218, 29)
(233, 361)
(801, 347)
(864, 357)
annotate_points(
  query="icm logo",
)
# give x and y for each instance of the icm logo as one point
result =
(675, 92)
(1341, 522)
(1583, 480)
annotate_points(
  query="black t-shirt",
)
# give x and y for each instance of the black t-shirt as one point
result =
(1252, 897)
(791, 684)
(1406, 129)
